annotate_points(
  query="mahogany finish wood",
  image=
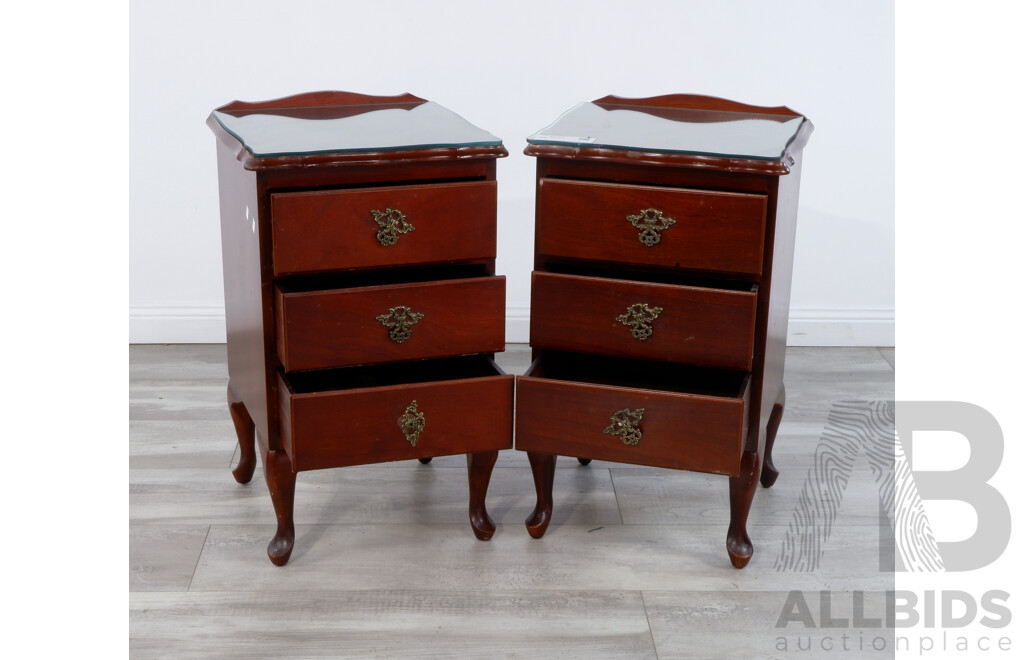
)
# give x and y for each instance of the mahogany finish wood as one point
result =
(769, 473)
(480, 465)
(293, 224)
(315, 231)
(543, 468)
(246, 432)
(682, 431)
(734, 235)
(339, 327)
(358, 426)
(713, 231)
(695, 325)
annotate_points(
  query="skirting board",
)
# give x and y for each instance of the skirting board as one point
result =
(808, 326)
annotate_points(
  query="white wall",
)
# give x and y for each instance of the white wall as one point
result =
(511, 68)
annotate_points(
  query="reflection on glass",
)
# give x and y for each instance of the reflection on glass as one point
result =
(669, 130)
(366, 128)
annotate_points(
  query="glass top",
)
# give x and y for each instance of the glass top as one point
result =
(673, 130)
(351, 128)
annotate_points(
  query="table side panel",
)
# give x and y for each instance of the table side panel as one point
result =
(244, 292)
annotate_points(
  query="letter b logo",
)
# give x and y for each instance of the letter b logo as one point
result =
(967, 484)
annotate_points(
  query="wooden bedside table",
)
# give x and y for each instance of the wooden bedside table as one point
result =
(660, 299)
(363, 312)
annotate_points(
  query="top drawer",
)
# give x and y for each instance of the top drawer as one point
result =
(714, 231)
(365, 228)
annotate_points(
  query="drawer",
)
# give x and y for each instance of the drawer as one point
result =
(609, 409)
(696, 229)
(647, 320)
(365, 228)
(341, 327)
(369, 414)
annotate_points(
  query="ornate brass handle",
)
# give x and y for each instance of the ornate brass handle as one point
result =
(625, 424)
(391, 223)
(412, 422)
(399, 319)
(650, 222)
(639, 317)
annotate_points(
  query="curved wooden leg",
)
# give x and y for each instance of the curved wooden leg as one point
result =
(543, 467)
(426, 460)
(246, 432)
(277, 468)
(741, 495)
(584, 461)
(480, 465)
(768, 472)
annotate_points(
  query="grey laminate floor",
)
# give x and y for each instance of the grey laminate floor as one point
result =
(385, 564)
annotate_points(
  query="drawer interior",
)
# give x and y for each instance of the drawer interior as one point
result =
(403, 373)
(639, 374)
(348, 280)
(657, 276)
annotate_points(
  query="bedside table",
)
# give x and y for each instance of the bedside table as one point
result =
(363, 312)
(660, 295)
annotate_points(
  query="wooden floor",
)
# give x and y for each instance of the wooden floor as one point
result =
(385, 563)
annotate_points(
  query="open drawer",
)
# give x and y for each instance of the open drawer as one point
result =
(631, 411)
(347, 323)
(323, 230)
(712, 327)
(394, 412)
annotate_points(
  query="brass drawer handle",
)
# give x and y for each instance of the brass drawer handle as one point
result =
(399, 319)
(412, 422)
(625, 423)
(639, 317)
(650, 222)
(392, 222)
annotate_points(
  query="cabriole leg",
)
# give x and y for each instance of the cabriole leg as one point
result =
(480, 465)
(768, 472)
(246, 432)
(543, 467)
(741, 495)
(277, 468)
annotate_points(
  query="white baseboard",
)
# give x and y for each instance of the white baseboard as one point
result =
(831, 326)
(808, 326)
(517, 325)
(176, 325)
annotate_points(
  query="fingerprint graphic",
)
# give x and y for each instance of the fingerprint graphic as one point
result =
(915, 541)
(854, 427)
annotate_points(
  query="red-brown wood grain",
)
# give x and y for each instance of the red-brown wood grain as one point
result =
(713, 231)
(359, 426)
(576, 187)
(451, 192)
(335, 229)
(695, 325)
(339, 327)
(693, 102)
(685, 431)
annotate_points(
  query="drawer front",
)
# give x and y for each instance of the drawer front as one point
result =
(688, 432)
(713, 231)
(691, 325)
(329, 230)
(378, 424)
(374, 324)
